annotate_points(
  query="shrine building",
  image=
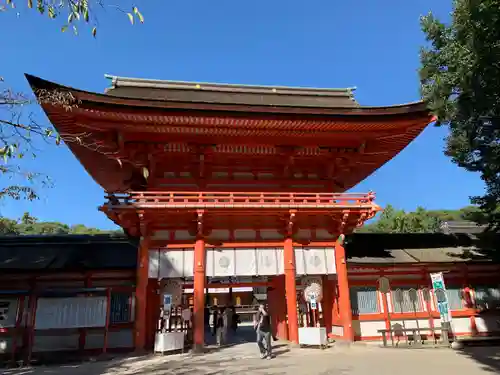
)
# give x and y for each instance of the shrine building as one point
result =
(233, 185)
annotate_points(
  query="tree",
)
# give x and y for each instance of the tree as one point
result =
(8, 227)
(460, 79)
(398, 221)
(19, 129)
(27, 219)
(73, 11)
(29, 225)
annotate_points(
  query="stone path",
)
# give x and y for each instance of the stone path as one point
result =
(242, 359)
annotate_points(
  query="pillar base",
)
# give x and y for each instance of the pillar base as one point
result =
(198, 349)
(293, 345)
(343, 343)
(141, 352)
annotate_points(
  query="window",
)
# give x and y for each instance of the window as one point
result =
(238, 301)
(487, 297)
(406, 300)
(454, 296)
(364, 300)
(215, 301)
(120, 309)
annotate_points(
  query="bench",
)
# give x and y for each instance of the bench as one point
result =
(415, 335)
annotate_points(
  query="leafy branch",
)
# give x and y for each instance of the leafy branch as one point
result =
(73, 11)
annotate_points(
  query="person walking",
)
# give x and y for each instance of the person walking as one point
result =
(227, 317)
(219, 327)
(262, 325)
(213, 320)
(234, 320)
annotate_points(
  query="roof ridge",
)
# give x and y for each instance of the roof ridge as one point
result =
(118, 81)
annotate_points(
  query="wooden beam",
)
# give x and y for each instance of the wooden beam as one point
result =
(233, 183)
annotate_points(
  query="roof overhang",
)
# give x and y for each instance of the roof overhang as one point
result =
(164, 112)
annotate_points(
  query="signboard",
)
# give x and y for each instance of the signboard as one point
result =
(442, 299)
(167, 302)
(314, 305)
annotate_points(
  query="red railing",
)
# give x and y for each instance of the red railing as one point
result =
(162, 199)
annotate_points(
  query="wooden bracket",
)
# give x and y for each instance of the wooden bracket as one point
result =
(343, 222)
(144, 227)
(199, 223)
(291, 222)
(361, 220)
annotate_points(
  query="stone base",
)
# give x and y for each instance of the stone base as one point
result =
(198, 349)
(343, 343)
(457, 345)
(141, 352)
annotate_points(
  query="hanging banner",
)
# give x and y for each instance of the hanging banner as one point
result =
(442, 299)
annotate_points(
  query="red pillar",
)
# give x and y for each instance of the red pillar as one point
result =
(327, 304)
(291, 291)
(344, 297)
(199, 295)
(271, 306)
(141, 292)
(277, 305)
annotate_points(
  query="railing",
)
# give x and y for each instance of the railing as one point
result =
(162, 199)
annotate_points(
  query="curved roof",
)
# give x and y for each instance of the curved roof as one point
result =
(229, 93)
(157, 114)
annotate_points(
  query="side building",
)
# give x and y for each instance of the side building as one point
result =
(75, 294)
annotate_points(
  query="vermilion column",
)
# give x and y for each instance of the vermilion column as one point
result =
(291, 291)
(141, 292)
(199, 295)
(327, 304)
(344, 297)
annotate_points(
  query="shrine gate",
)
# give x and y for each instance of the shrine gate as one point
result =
(233, 181)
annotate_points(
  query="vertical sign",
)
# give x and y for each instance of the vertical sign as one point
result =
(441, 297)
(167, 302)
(314, 304)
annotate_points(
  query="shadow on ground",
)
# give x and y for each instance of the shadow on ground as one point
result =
(208, 364)
(487, 356)
(240, 355)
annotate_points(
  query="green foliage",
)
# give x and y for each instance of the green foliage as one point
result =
(419, 221)
(72, 12)
(460, 79)
(29, 225)
(20, 133)
(8, 227)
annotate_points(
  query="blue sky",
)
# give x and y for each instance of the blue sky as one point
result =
(370, 44)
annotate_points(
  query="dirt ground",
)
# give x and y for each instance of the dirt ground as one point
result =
(338, 360)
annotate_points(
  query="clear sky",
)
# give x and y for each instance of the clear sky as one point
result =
(370, 44)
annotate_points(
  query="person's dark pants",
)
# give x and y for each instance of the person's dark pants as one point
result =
(266, 337)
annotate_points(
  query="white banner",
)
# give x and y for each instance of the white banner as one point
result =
(237, 262)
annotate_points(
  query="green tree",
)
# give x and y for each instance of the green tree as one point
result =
(398, 221)
(8, 227)
(73, 12)
(27, 219)
(19, 129)
(29, 225)
(43, 228)
(460, 79)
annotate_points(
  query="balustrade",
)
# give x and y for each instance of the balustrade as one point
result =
(159, 199)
